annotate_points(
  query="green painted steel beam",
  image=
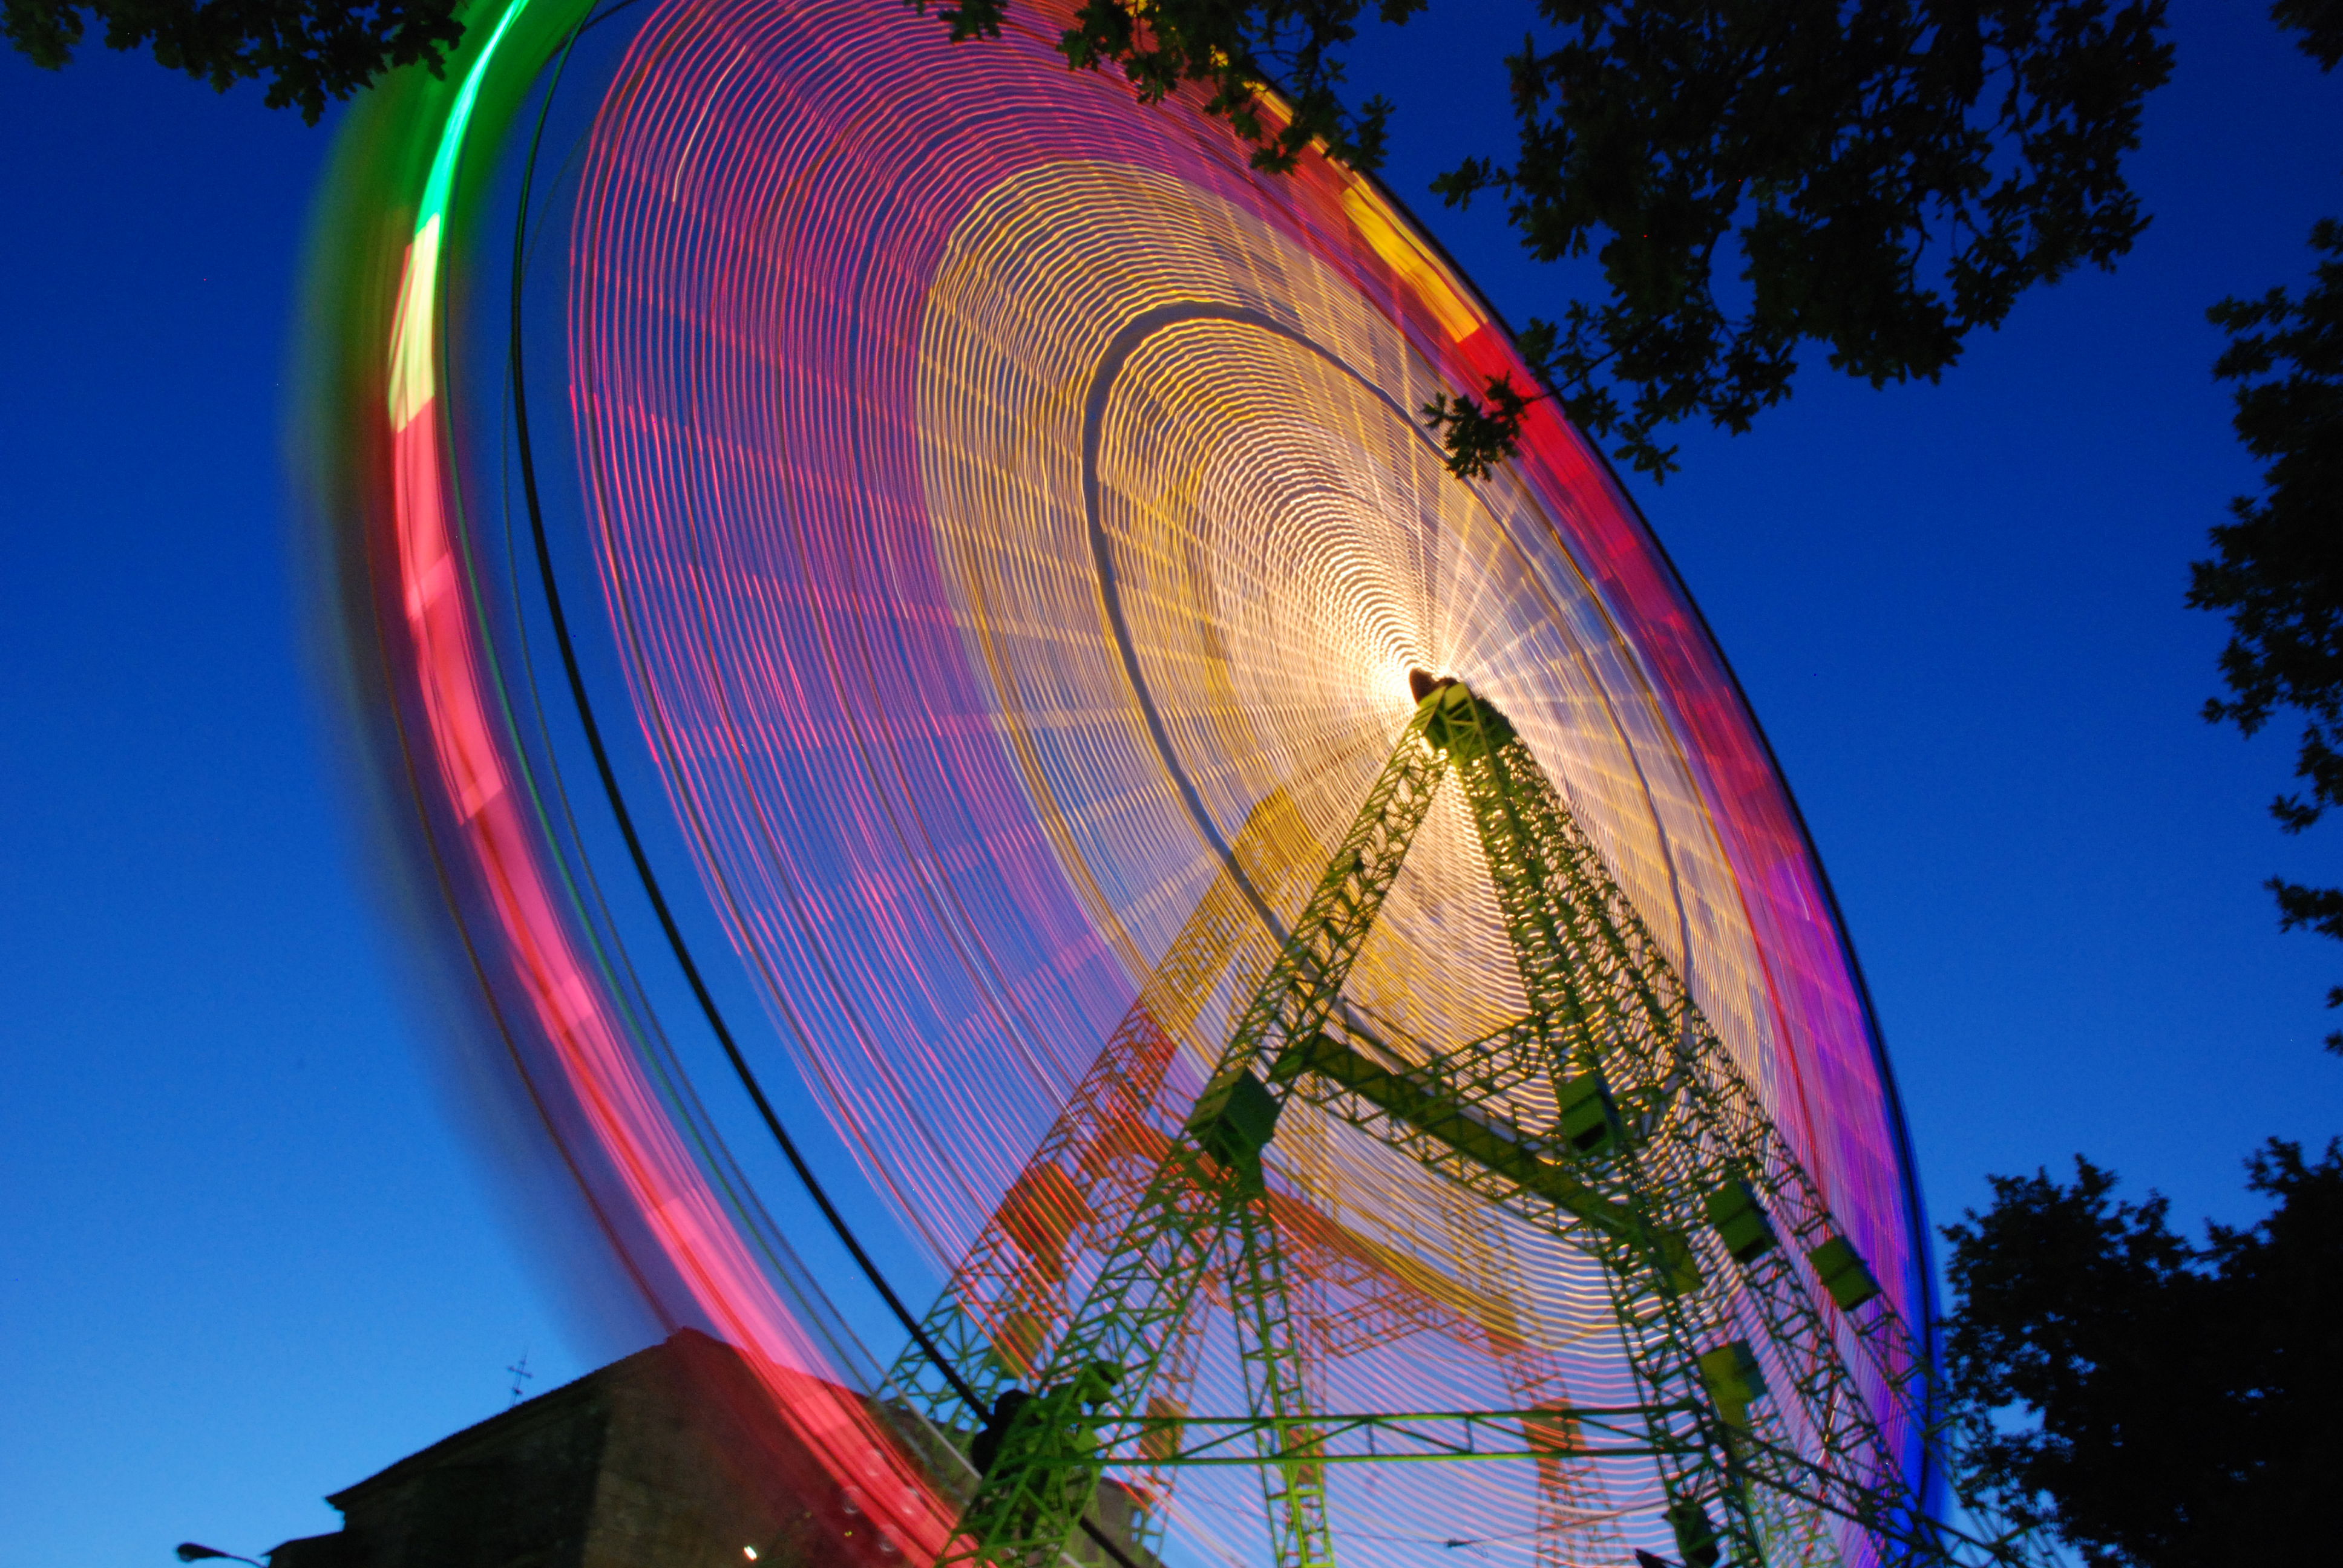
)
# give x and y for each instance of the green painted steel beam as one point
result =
(1664, 1168)
(1277, 1387)
(1543, 1432)
(1417, 1099)
(1006, 1297)
(1107, 1357)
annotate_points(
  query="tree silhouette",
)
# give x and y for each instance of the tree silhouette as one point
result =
(2159, 1404)
(1888, 175)
(307, 51)
(2277, 568)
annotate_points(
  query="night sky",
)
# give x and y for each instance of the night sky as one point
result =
(252, 1257)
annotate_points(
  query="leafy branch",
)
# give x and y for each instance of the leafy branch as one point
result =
(308, 50)
(1233, 50)
(1890, 174)
(2153, 1401)
(2278, 566)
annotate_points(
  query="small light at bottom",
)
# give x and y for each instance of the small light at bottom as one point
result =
(749, 1553)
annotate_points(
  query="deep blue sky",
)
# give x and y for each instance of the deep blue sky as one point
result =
(249, 1258)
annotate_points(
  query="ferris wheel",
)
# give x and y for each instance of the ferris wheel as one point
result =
(911, 595)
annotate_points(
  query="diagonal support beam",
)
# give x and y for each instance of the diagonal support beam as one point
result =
(1005, 1303)
(1277, 1385)
(1620, 1015)
(1416, 1098)
(1100, 1372)
(1664, 1166)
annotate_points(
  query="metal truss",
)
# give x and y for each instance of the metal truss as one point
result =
(1006, 1299)
(1611, 1118)
(1590, 966)
(1382, 1438)
(1277, 1384)
(1101, 1367)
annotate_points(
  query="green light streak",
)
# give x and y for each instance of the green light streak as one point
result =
(459, 116)
(414, 376)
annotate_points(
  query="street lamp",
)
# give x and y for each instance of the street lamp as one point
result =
(195, 1551)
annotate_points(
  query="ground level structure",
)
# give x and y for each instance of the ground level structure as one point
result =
(671, 1458)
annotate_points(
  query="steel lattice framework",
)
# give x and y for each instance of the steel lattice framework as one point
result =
(997, 531)
(1663, 1165)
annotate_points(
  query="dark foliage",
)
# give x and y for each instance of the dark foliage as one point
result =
(1890, 174)
(306, 50)
(2278, 570)
(1481, 432)
(1893, 173)
(2320, 22)
(2156, 1403)
(1233, 47)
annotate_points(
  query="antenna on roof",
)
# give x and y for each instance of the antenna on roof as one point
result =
(520, 1374)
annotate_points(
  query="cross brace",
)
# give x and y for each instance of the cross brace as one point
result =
(1544, 1432)
(1656, 1123)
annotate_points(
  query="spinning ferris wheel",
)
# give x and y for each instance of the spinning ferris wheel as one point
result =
(938, 667)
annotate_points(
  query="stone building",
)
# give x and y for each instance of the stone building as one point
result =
(671, 1458)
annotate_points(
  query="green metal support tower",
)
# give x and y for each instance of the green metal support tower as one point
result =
(1006, 1297)
(1663, 1165)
